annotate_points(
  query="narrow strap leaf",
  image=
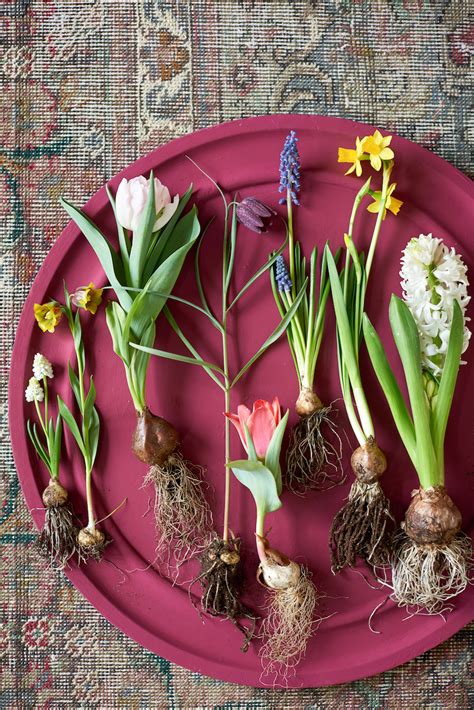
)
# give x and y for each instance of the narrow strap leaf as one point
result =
(391, 390)
(275, 335)
(178, 358)
(72, 425)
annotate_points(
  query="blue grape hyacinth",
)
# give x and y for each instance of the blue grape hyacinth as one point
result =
(282, 277)
(290, 169)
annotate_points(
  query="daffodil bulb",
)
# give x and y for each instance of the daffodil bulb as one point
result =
(34, 391)
(433, 277)
(42, 367)
(131, 199)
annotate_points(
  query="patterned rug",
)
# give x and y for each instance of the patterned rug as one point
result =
(88, 87)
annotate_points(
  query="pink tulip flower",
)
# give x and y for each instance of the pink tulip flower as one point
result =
(131, 198)
(261, 423)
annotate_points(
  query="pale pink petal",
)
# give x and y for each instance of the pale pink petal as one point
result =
(123, 206)
(276, 410)
(261, 425)
(167, 212)
(236, 422)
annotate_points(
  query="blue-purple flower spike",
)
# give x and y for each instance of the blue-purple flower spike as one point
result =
(282, 277)
(290, 169)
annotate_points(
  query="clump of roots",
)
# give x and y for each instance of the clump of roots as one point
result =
(312, 461)
(431, 559)
(290, 619)
(57, 541)
(91, 544)
(362, 528)
(182, 514)
(221, 581)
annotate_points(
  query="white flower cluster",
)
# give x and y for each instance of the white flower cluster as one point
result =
(42, 367)
(433, 277)
(34, 391)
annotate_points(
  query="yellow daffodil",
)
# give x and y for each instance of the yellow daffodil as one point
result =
(348, 155)
(377, 148)
(391, 203)
(48, 315)
(87, 297)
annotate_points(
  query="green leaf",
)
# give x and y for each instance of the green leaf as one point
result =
(74, 382)
(142, 236)
(116, 318)
(108, 258)
(197, 270)
(407, 340)
(94, 433)
(251, 452)
(282, 326)
(147, 305)
(260, 482)
(390, 388)
(89, 403)
(448, 379)
(154, 254)
(72, 425)
(33, 434)
(78, 344)
(272, 457)
(233, 241)
(124, 241)
(178, 358)
(55, 451)
(259, 272)
(139, 361)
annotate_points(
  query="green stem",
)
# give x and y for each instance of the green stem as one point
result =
(90, 507)
(40, 417)
(225, 360)
(45, 387)
(260, 534)
(387, 169)
(291, 245)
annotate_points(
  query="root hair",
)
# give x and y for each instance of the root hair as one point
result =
(312, 461)
(361, 528)
(287, 627)
(426, 576)
(221, 580)
(57, 541)
(182, 515)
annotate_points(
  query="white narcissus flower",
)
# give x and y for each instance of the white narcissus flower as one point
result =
(42, 367)
(433, 277)
(34, 391)
(131, 198)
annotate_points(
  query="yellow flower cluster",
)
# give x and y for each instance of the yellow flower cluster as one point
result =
(376, 149)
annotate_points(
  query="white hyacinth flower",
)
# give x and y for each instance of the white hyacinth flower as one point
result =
(42, 367)
(433, 277)
(34, 391)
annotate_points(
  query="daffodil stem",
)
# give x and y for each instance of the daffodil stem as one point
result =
(387, 169)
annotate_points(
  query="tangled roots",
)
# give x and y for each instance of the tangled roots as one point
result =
(221, 581)
(312, 461)
(57, 541)
(426, 576)
(360, 528)
(182, 514)
(288, 626)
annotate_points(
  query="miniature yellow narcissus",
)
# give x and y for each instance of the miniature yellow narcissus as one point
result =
(391, 203)
(377, 147)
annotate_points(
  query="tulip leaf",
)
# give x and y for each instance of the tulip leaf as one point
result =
(140, 359)
(142, 236)
(260, 481)
(107, 256)
(251, 452)
(155, 250)
(116, 317)
(272, 457)
(177, 358)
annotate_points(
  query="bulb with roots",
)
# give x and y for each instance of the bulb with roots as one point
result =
(313, 461)
(290, 619)
(182, 515)
(221, 580)
(431, 558)
(57, 541)
(362, 528)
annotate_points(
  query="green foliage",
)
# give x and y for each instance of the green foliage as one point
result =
(260, 481)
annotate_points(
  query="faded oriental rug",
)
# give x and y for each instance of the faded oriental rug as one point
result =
(87, 87)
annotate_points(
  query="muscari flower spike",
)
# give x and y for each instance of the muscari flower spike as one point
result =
(34, 391)
(253, 214)
(42, 367)
(282, 277)
(290, 169)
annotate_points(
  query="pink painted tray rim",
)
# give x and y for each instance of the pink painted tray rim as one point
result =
(31, 491)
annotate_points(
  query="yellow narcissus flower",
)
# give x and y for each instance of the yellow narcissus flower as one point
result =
(377, 148)
(391, 203)
(87, 297)
(348, 155)
(47, 315)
